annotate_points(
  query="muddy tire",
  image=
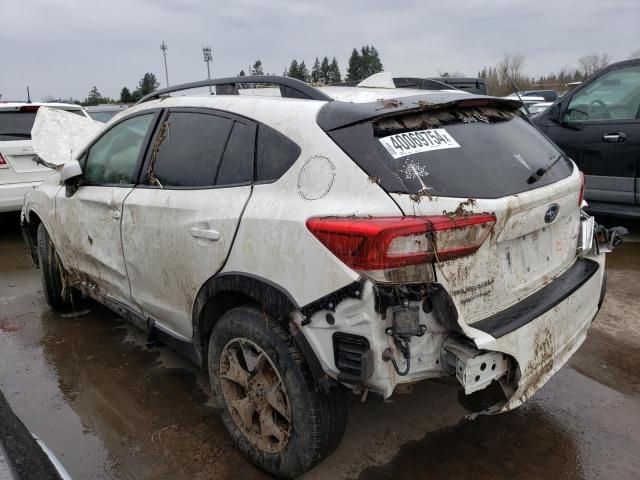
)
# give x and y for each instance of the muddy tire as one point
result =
(266, 395)
(59, 296)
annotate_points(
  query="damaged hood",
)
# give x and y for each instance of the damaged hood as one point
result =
(58, 136)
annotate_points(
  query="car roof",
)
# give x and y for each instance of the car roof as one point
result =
(337, 106)
(18, 105)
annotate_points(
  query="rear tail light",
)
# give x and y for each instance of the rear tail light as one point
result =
(377, 246)
(3, 162)
(582, 186)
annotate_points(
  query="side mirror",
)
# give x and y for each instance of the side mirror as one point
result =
(70, 170)
(554, 114)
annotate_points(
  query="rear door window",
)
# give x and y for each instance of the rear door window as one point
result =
(188, 149)
(481, 152)
(237, 162)
(202, 149)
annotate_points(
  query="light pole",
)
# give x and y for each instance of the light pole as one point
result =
(163, 47)
(208, 57)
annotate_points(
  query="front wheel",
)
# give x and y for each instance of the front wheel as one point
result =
(59, 295)
(267, 396)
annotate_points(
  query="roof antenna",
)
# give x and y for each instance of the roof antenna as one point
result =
(518, 95)
(28, 95)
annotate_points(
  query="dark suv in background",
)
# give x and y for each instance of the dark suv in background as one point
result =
(598, 125)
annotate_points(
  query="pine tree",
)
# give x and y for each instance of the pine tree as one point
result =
(304, 73)
(334, 75)
(315, 71)
(355, 66)
(242, 74)
(257, 68)
(324, 70)
(94, 97)
(375, 62)
(294, 69)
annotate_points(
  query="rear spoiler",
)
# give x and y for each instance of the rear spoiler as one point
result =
(335, 115)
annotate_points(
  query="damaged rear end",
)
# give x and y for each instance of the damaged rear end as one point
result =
(493, 275)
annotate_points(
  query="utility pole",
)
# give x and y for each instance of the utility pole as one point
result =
(163, 47)
(208, 57)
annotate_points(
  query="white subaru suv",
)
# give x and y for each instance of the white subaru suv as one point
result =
(19, 168)
(330, 240)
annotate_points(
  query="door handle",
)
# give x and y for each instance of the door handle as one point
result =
(614, 137)
(209, 234)
(115, 213)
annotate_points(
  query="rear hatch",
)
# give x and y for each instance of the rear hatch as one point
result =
(16, 152)
(470, 157)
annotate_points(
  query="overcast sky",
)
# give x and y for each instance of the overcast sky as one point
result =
(63, 48)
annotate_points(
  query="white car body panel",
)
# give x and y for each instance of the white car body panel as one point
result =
(177, 229)
(88, 224)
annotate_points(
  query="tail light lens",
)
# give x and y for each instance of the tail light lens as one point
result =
(3, 162)
(374, 246)
(582, 187)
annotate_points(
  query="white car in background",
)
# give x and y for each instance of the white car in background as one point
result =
(539, 107)
(19, 171)
(104, 113)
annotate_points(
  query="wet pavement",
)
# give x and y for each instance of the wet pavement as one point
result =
(110, 408)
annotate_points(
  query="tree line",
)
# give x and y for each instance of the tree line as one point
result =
(362, 64)
(510, 70)
(147, 84)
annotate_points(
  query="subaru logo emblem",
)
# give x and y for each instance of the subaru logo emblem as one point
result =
(551, 213)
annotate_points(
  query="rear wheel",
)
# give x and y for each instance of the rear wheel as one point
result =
(267, 396)
(59, 295)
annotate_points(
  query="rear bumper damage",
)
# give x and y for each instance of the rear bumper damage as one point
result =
(386, 338)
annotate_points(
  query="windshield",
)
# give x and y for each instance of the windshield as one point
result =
(466, 152)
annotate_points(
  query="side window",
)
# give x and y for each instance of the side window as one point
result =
(613, 96)
(237, 161)
(274, 155)
(113, 158)
(189, 155)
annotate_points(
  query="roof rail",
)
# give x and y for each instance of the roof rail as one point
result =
(289, 87)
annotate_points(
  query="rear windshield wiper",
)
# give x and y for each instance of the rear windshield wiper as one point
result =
(538, 174)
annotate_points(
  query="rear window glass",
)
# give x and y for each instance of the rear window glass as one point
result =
(466, 152)
(16, 125)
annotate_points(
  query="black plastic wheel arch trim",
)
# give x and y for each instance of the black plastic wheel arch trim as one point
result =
(540, 302)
